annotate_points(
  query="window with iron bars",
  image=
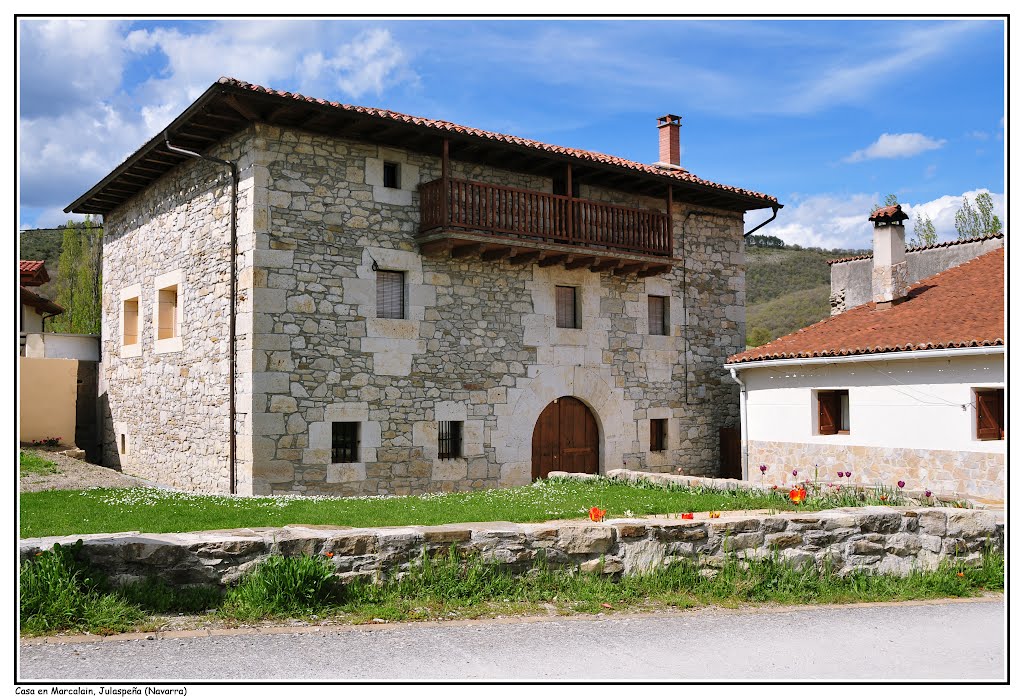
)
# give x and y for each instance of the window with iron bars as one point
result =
(449, 440)
(344, 442)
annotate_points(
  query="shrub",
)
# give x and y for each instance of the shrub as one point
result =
(59, 592)
(282, 586)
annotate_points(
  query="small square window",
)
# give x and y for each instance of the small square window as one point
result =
(449, 440)
(833, 412)
(988, 413)
(657, 315)
(344, 442)
(566, 315)
(130, 321)
(390, 294)
(659, 434)
(391, 175)
(167, 313)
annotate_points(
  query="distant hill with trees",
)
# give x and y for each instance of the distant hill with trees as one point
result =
(787, 287)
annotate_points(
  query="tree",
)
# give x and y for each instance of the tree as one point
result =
(78, 283)
(924, 231)
(977, 222)
(890, 200)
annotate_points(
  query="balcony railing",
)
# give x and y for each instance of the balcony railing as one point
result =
(522, 214)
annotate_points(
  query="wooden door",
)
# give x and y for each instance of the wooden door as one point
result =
(730, 457)
(565, 439)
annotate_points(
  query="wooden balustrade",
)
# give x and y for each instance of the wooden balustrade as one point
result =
(510, 212)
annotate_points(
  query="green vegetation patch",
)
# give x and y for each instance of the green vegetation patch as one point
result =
(60, 593)
(35, 465)
(58, 513)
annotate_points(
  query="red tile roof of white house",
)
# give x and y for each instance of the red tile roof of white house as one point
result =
(959, 307)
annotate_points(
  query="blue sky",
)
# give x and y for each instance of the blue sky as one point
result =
(829, 116)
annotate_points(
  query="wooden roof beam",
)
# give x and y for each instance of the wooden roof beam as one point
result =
(243, 109)
(525, 257)
(466, 250)
(498, 253)
(435, 246)
(579, 262)
(552, 260)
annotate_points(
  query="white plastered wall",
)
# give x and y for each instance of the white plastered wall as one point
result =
(911, 404)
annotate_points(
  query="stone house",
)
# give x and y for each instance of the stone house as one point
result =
(907, 386)
(307, 297)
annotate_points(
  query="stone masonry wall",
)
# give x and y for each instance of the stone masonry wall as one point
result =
(478, 343)
(879, 539)
(952, 473)
(168, 403)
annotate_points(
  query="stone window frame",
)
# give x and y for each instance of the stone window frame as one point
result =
(130, 293)
(174, 278)
(392, 171)
(123, 440)
(425, 432)
(408, 177)
(320, 442)
(665, 321)
(664, 457)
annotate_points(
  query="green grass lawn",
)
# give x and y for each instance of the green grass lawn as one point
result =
(31, 464)
(60, 512)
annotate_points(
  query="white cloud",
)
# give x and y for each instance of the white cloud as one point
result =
(896, 145)
(366, 64)
(79, 119)
(833, 221)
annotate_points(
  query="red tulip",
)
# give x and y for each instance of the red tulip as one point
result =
(597, 514)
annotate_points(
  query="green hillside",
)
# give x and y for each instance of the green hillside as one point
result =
(787, 289)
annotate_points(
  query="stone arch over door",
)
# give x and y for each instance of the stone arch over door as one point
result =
(595, 387)
(565, 438)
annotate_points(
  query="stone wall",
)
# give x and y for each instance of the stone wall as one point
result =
(950, 473)
(851, 281)
(166, 408)
(478, 343)
(880, 539)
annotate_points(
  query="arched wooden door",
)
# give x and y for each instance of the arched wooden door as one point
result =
(565, 439)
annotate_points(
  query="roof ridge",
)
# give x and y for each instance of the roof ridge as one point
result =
(919, 248)
(596, 156)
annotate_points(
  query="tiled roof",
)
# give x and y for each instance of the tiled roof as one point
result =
(888, 213)
(960, 307)
(40, 303)
(33, 272)
(493, 136)
(918, 248)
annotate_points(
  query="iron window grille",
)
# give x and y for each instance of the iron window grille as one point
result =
(344, 442)
(390, 294)
(449, 440)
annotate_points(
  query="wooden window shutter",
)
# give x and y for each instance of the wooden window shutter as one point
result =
(565, 307)
(390, 294)
(656, 324)
(828, 413)
(989, 408)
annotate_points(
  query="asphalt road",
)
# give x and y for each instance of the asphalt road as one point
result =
(908, 641)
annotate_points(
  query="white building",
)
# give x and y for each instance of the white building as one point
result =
(909, 386)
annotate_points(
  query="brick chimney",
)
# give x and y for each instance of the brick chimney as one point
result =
(668, 140)
(889, 279)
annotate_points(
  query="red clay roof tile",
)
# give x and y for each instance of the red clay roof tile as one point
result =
(960, 307)
(592, 156)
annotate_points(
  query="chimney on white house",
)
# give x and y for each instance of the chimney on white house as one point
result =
(668, 140)
(889, 279)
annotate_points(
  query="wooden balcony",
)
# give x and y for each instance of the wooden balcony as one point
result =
(472, 218)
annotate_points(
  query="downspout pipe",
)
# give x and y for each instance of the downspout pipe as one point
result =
(743, 419)
(775, 212)
(232, 312)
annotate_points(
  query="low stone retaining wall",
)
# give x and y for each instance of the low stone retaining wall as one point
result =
(880, 539)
